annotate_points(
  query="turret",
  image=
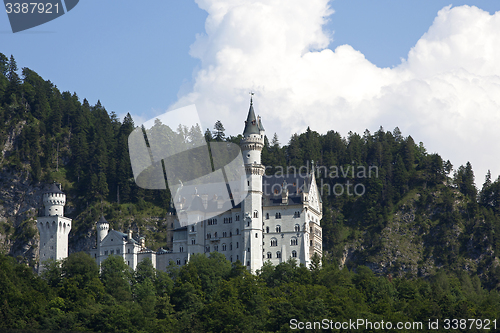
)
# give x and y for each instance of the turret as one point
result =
(102, 229)
(53, 227)
(54, 200)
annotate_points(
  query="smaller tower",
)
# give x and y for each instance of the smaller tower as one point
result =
(102, 229)
(53, 227)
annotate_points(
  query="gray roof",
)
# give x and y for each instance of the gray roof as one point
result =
(53, 189)
(102, 220)
(197, 204)
(252, 125)
(296, 185)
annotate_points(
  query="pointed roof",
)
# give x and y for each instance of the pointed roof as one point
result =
(102, 220)
(251, 124)
(260, 124)
(53, 189)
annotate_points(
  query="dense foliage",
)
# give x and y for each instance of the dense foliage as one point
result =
(213, 295)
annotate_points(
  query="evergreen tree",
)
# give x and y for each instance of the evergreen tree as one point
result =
(218, 133)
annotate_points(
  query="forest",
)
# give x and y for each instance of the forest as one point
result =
(420, 243)
(210, 294)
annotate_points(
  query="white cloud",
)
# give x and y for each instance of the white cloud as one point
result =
(446, 93)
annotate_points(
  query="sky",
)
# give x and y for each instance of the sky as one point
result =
(429, 67)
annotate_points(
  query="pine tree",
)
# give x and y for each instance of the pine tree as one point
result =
(218, 132)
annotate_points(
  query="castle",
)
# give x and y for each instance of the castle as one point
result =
(279, 219)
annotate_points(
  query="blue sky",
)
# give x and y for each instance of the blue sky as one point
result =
(144, 58)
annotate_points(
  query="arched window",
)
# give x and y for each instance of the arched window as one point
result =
(297, 228)
(274, 242)
(223, 247)
(278, 228)
(278, 254)
(294, 254)
(267, 229)
(269, 255)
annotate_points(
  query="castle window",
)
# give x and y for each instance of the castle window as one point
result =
(294, 254)
(224, 234)
(255, 214)
(128, 251)
(278, 215)
(111, 239)
(223, 247)
(95, 255)
(269, 255)
(237, 217)
(231, 258)
(248, 223)
(274, 242)
(256, 235)
(112, 251)
(216, 247)
(297, 228)
(230, 234)
(237, 245)
(106, 252)
(267, 216)
(293, 241)
(278, 228)
(248, 263)
(215, 234)
(248, 249)
(192, 228)
(181, 249)
(278, 254)
(178, 261)
(237, 257)
(207, 249)
(311, 243)
(128, 263)
(248, 182)
(237, 231)
(193, 241)
(230, 246)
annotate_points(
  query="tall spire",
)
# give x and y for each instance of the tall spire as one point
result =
(251, 124)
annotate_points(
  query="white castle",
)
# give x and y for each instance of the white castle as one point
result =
(279, 219)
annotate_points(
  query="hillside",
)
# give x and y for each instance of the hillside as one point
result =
(401, 211)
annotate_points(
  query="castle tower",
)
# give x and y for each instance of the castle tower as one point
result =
(102, 229)
(53, 227)
(251, 148)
